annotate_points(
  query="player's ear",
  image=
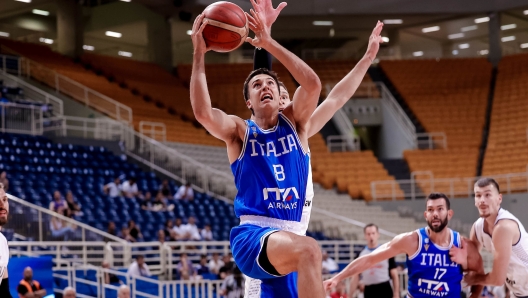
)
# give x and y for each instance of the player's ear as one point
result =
(450, 214)
(425, 215)
(248, 104)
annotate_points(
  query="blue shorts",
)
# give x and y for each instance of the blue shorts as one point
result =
(246, 244)
(283, 287)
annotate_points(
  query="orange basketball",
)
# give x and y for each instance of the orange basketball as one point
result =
(227, 26)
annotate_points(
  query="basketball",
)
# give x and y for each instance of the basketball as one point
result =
(227, 26)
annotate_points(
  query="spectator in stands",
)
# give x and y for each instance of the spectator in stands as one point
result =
(233, 285)
(179, 230)
(69, 292)
(125, 234)
(227, 269)
(192, 229)
(146, 202)
(161, 237)
(339, 291)
(73, 206)
(109, 278)
(113, 189)
(215, 264)
(130, 188)
(185, 192)
(58, 203)
(164, 188)
(206, 233)
(167, 230)
(4, 180)
(60, 228)
(134, 231)
(202, 268)
(123, 292)
(329, 265)
(28, 287)
(185, 268)
(111, 229)
(158, 204)
(139, 268)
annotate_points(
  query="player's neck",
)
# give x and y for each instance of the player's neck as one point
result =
(442, 238)
(373, 246)
(266, 121)
(490, 222)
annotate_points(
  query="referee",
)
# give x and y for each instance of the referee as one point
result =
(376, 280)
(4, 249)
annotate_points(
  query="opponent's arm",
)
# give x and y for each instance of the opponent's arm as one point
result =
(395, 278)
(307, 95)
(474, 264)
(218, 123)
(344, 90)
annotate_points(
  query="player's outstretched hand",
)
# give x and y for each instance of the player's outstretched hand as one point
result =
(330, 284)
(262, 32)
(197, 35)
(459, 254)
(266, 10)
(374, 41)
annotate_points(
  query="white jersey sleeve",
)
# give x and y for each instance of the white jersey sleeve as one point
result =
(4, 256)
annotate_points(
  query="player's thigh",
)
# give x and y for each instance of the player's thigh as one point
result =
(285, 250)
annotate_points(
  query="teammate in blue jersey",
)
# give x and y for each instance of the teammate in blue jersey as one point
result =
(270, 162)
(431, 271)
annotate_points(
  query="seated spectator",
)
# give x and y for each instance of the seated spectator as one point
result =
(329, 265)
(185, 268)
(4, 180)
(158, 204)
(73, 206)
(167, 230)
(227, 269)
(58, 203)
(28, 287)
(130, 188)
(164, 188)
(113, 189)
(134, 231)
(340, 291)
(180, 232)
(125, 234)
(109, 278)
(60, 228)
(139, 267)
(185, 192)
(215, 264)
(202, 268)
(233, 285)
(69, 292)
(192, 229)
(146, 202)
(161, 237)
(123, 292)
(206, 233)
(111, 229)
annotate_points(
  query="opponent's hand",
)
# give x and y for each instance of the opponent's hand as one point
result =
(374, 41)
(197, 35)
(471, 278)
(266, 10)
(330, 284)
(261, 30)
(459, 254)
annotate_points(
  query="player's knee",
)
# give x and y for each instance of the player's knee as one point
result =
(310, 251)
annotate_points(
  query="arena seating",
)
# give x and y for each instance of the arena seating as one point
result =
(507, 150)
(448, 96)
(36, 167)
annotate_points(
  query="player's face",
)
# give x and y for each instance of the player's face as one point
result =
(263, 93)
(437, 215)
(372, 236)
(487, 200)
(124, 293)
(284, 99)
(4, 207)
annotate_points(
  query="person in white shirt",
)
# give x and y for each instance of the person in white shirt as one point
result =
(123, 292)
(206, 233)
(329, 265)
(192, 229)
(498, 292)
(113, 189)
(185, 192)
(215, 264)
(4, 248)
(139, 267)
(130, 189)
(179, 230)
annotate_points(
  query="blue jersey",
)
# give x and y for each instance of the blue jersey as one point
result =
(431, 271)
(273, 178)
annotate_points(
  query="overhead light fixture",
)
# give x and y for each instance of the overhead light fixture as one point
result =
(463, 46)
(455, 36)
(126, 0)
(482, 20)
(524, 45)
(4, 34)
(46, 40)
(483, 52)
(430, 29)
(323, 23)
(113, 34)
(331, 33)
(418, 54)
(189, 32)
(525, 12)
(124, 54)
(88, 48)
(508, 27)
(508, 38)
(40, 12)
(385, 39)
(469, 28)
(25, 1)
(455, 52)
(393, 21)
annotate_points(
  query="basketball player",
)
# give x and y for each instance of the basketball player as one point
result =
(431, 272)
(501, 233)
(270, 163)
(4, 248)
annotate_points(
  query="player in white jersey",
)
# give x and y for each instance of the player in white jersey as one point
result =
(502, 234)
(4, 249)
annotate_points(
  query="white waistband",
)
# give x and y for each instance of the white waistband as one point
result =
(281, 224)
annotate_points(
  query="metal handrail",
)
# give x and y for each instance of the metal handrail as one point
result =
(153, 130)
(432, 139)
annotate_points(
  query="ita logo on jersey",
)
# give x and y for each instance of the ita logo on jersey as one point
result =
(434, 288)
(284, 197)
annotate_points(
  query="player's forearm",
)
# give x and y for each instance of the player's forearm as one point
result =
(344, 90)
(489, 279)
(354, 268)
(395, 284)
(200, 99)
(476, 291)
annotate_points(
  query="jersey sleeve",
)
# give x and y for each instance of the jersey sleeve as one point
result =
(22, 290)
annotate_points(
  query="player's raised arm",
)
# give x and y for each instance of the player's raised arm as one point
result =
(218, 123)
(306, 97)
(344, 90)
(403, 243)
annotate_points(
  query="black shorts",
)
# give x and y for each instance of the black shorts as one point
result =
(381, 290)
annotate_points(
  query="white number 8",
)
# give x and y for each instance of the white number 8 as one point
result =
(279, 172)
